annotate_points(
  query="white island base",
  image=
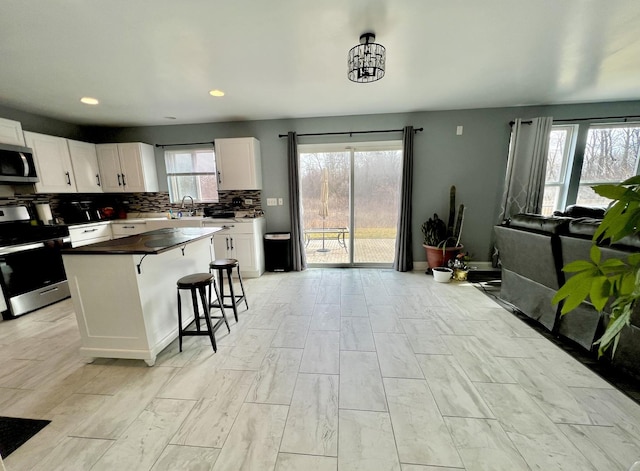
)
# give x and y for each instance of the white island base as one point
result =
(125, 314)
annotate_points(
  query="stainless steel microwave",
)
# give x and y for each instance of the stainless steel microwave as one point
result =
(17, 165)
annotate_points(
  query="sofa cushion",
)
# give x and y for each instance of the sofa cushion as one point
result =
(539, 223)
(586, 227)
(583, 227)
(577, 211)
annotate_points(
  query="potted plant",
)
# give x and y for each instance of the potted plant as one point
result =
(460, 266)
(442, 241)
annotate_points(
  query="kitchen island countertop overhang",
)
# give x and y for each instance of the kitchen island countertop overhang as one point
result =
(152, 242)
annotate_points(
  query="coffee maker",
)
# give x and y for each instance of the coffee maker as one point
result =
(80, 211)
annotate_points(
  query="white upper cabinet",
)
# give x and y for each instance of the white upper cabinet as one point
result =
(238, 163)
(53, 163)
(85, 166)
(128, 167)
(11, 132)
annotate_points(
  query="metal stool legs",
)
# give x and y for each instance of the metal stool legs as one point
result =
(228, 265)
(197, 284)
(220, 303)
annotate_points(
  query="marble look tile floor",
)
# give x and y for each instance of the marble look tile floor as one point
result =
(330, 369)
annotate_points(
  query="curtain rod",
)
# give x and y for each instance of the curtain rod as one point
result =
(185, 144)
(350, 133)
(568, 120)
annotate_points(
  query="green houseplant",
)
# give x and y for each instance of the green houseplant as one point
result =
(615, 281)
(442, 241)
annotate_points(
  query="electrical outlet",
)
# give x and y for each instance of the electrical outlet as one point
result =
(248, 201)
(280, 201)
(272, 201)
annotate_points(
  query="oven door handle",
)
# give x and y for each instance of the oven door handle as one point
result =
(20, 248)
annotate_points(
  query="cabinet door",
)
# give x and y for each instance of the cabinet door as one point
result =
(243, 250)
(85, 166)
(53, 163)
(109, 164)
(220, 246)
(131, 165)
(11, 132)
(238, 163)
(119, 230)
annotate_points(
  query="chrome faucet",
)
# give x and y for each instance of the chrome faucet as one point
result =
(192, 211)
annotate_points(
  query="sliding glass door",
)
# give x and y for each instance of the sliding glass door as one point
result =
(350, 197)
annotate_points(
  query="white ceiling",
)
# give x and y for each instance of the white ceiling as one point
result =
(149, 59)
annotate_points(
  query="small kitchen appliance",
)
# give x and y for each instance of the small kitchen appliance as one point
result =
(17, 165)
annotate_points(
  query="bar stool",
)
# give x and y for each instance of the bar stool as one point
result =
(197, 283)
(228, 264)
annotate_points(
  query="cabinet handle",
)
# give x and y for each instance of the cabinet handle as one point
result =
(219, 178)
(227, 239)
(90, 230)
(119, 182)
(128, 227)
(68, 178)
(98, 178)
(124, 183)
(231, 242)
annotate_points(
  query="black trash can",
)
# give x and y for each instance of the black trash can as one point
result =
(277, 251)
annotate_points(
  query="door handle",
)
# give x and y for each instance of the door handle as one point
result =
(68, 178)
(119, 182)
(98, 178)
(48, 291)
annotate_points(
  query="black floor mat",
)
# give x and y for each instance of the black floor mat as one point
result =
(15, 432)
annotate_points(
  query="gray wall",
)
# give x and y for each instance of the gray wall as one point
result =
(35, 123)
(475, 162)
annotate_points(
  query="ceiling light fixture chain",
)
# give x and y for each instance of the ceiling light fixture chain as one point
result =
(366, 61)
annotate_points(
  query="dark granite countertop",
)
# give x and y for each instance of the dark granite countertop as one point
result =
(152, 242)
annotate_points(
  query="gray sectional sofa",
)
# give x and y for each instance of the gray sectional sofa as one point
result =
(533, 249)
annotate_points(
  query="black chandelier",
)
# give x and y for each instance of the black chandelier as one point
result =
(366, 61)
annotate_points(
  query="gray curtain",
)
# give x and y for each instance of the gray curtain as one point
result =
(403, 259)
(526, 167)
(526, 171)
(298, 257)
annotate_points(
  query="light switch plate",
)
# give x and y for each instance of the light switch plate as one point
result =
(280, 201)
(272, 202)
(248, 201)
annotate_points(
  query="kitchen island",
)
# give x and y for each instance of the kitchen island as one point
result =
(124, 290)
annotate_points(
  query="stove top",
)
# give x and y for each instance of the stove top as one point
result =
(19, 233)
(16, 228)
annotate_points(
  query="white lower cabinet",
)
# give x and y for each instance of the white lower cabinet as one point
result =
(85, 234)
(242, 241)
(121, 229)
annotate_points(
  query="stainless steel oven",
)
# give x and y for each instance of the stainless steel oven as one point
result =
(31, 267)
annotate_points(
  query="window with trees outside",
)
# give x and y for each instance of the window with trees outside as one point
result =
(192, 172)
(561, 145)
(610, 155)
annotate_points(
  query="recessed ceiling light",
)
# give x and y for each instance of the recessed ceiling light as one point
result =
(216, 93)
(87, 100)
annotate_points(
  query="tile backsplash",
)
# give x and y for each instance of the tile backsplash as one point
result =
(133, 202)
